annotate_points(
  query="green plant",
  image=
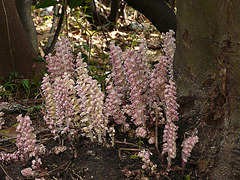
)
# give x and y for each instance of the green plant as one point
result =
(135, 156)
(31, 87)
(9, 86)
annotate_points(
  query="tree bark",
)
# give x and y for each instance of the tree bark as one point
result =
(16, 52)
(207, 72)
(24, 11)
(158, 12)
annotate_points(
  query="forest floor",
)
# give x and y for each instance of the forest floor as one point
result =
(83, 159)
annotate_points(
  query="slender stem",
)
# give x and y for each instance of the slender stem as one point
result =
(156, 130)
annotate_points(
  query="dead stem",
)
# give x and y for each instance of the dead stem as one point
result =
(5, 172)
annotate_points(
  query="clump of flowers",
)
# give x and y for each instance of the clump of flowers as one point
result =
(90, 103)
(28, 172)
(27, 147)
(26, 139)
(62, 61)
(58, 89)
(148, 165)
(73, 100)
(188, 145)
(145, 93)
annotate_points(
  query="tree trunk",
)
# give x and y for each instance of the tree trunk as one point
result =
(207, 72)
(114, 11)
(16, 52)
(158, 12)
(24, 11)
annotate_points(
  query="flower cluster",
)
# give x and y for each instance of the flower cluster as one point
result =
(127, 88)
(137, 76)
(27, 147)
(148, 165)
(169, 49)
(90, 99)
(28, 172)
(113, 104)
(188, 145)
(141, 132)
(49, 112)
(62, 61)
(73, 100)
(116, 98)
(26, 139)
(118, 72)
(58, 89)
(171, 105)
(147, 94)
(63, 90)
(170, 135)
(147, 88)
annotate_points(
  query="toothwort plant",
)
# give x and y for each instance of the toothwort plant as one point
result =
(139, 96)
(147, 94)
(73, 100)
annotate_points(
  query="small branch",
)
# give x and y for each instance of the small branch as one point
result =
(77, 175)
(5, 172)
(56, 7)
(131, 144)
(126, 149)
(60, 22)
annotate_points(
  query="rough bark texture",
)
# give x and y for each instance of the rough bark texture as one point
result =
(24, 11)
(207, 72)
(158, 12)
(16, 52)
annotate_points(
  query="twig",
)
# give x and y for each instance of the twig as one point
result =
(126, 149)
(3, 149)
(7, 139)
(131, 144)
(5, 172)
(56, 8)
(67, 166)
(77, 175)
(48, 50)
(48, 173)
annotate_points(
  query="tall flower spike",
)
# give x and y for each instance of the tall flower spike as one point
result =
(169, 48)
(113, 103)
(118, 72)
(136, 75)
(171, 106)
(188, 145)
(158, 79)
(90, 97)
(170, 135)
(63, 90)
(62, 61)
(49, 112)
